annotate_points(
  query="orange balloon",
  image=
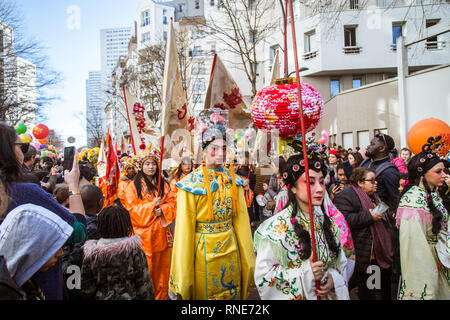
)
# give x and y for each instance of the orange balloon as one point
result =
(43, 141)
(422, 130)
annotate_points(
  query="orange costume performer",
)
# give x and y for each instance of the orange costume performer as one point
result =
(153, 230)
(125, 180)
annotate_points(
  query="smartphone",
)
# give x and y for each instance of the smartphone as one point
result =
(69, 154)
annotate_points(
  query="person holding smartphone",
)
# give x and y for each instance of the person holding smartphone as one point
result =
(12, 151)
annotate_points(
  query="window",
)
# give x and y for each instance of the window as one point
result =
(165, 35)
(357, 82)
(363, 139)
(199, 85)
(197, 4)
(164, 16)
(350, 36)
(335, 87)
(180, 8)
(273, 52)
(253, 36)
(197, 51)
(211, 3)
(347, 140)
(198, 68)
(252, 4)
(254, 68)
(432, 42)
(310, 41)
(396, 32)
(354, 4)
(198, 98)
(145, 37)
(145, 18)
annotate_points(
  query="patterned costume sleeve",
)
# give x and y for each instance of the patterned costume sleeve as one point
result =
(278, 282)
(243, 231)
(419, 269)
(181, 280)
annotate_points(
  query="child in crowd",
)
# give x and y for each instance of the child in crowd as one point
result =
(268, 200)
(31, 240)
(93, 200)
(115, 266)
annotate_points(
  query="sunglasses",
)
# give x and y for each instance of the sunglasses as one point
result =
(23, 146)
(382, 136)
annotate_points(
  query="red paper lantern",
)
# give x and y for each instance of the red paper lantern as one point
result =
(276, 108)
(41, 131)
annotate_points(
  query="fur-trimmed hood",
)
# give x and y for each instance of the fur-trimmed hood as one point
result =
(106, 249)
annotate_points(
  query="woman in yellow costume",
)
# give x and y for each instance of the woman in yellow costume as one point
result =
(212, 258)
(150, 215)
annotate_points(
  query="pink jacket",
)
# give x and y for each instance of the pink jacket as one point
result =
(400, 163)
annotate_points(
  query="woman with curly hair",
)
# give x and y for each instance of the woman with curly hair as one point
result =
(422, 218)
(284, 265)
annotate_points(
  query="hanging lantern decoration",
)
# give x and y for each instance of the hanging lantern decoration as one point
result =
(41, 131)
(430, 127)
(20, 128)
(276, 108)
(43, 141)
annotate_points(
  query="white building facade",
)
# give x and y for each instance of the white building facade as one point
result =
(95, 115)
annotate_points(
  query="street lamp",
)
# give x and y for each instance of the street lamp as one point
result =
(299, 70)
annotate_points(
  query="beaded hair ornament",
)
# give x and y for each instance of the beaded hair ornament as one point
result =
(429, 153)
(150, 153)
(314, 151)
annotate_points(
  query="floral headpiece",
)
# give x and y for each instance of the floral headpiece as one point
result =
(213, 122)
(129, 162)
(429, 156)
(149, 153)
(316, 154)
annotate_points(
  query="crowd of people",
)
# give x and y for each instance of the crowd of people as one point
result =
(217, 231)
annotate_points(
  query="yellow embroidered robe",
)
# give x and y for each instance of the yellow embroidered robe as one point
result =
(211, 260)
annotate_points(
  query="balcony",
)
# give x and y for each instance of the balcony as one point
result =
(352, 50)
(435, 45)
(310, 55)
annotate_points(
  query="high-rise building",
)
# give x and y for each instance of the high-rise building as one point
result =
(17, 82)
(95, 115)
(113, 44)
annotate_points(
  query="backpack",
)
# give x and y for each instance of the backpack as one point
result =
(8, 288)
(381, 168)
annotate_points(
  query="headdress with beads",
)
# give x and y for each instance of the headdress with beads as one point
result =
(429, 156)
(150, 153)
(316, 153)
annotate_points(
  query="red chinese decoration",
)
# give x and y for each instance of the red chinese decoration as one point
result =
(139, 116)
(233, 99)
(276, 108)
(41, 131)
(182, 112)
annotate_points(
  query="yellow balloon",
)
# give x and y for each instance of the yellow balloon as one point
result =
(25, 138)
(241, 144)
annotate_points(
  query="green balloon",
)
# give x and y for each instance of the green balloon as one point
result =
(20, 128)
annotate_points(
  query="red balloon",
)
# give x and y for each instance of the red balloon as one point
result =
(41, 131)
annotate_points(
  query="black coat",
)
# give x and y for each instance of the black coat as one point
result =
(359, 222)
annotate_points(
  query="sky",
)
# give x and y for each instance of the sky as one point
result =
(70, 32)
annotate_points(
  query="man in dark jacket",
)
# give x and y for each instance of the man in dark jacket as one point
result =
(387, 173)
(388, 178)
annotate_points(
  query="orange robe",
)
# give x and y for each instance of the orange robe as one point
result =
(123, 184)
(153, 234)
(174, 181)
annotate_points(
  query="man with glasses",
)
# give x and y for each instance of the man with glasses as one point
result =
(29, 157)
(388, 178)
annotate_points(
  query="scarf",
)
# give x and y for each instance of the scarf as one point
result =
(382, 244)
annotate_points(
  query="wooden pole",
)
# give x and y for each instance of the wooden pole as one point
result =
(305, 154)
